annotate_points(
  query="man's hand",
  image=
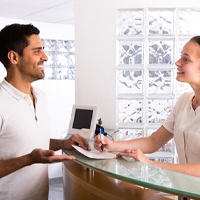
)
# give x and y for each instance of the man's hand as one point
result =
(76, 139)
(47, 156)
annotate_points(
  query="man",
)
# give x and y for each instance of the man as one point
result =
(24, 122)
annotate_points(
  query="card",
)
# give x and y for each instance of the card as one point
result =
(94, 153)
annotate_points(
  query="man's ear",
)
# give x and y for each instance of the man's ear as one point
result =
(13, 57)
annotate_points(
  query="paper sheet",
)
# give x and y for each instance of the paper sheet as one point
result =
(94, 153)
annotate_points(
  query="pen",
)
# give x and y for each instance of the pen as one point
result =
(101, 132)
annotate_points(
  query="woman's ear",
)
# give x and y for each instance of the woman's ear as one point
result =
(13, 57)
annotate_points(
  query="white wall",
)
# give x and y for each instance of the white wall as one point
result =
(60, 93)
(95, 36)
(47, 30)
(95, 57)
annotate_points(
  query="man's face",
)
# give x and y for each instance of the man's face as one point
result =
(31, 63)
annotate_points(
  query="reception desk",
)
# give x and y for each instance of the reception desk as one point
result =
(118, 178)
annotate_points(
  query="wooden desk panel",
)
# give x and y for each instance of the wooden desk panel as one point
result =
(81, 183)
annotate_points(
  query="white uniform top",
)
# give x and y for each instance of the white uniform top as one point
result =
(22, 129)
(184, 123)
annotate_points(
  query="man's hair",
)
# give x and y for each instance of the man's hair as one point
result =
(14, 37)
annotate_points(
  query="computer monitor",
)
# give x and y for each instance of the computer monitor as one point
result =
(83, 117)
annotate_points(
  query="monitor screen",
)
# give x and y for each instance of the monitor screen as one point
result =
(82, 119)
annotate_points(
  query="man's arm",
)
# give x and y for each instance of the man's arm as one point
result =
(36, 156)
(14, 164)
(76, 139)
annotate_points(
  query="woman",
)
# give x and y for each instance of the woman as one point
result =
(183, 124)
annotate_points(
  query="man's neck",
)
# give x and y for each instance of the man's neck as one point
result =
(21, 85)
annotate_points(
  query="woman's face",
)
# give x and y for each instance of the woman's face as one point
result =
(188, 65)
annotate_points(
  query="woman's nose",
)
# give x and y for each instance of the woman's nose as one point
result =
(177, 63)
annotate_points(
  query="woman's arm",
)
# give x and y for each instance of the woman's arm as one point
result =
(190, 169)
(146, 144)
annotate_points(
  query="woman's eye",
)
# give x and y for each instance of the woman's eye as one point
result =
(186, 59)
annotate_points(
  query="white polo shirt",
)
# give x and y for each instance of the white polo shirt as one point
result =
(184, 123)
(22, 129)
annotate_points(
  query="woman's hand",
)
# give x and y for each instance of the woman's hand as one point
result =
(105, 142)
(136, 154)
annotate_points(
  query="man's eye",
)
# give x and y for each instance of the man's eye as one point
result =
(37, 51)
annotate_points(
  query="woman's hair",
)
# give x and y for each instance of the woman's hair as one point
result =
(14, 37)
(196, 39)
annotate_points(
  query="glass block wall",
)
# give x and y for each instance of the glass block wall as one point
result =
(149, 41)
(61, 59)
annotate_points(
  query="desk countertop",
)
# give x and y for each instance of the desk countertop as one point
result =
(143, 174)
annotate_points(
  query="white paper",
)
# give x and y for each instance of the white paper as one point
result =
(94, 153)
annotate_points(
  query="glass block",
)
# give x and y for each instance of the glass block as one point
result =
(156, 176)
(180, 44)
(163, 159)
(129, 81)
(130, 52)
(182, 88)
(71, 46)
(48, 72)
(128, 170)
(167, 148)
(62, 59)
(65, 73)
(62, 46)
(189, 21)
(161, 46)
(160, 22)
(130, 111)
(130, 22)
(128, 134)
(49, 45)
(57, 73)
(160, 81)
(161, 51)
(69, 73)
(158, 110)
(71, 59)
(51, 59)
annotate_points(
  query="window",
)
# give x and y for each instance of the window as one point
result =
(61, 59)
(149, 41)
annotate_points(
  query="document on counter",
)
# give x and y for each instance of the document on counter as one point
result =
(94, 153)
